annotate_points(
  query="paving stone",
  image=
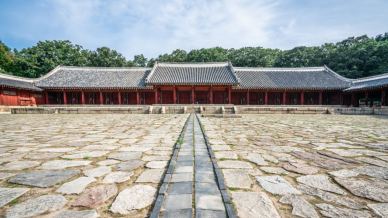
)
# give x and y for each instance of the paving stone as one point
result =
(20, 165)
(155, 157)
(125, 156)
(234, 164)
(276, 185)
(183, 169)
(236, 178)
(107, 162)
(133, 198)
(373, 171)
(157, 164)
(380, 209)
(96, 196)
(117, 177)
(300, 207)
(62, 164)
(256, 158)
(85, 154)
(322, 160)
(220, 147)
(210, 214)
(209, 202)
(373, 161)
(42, 156)
(76, 186)
(330, 197)
(9, 194)
(151, 176)
(205, 177)
(328, 210)
(37, 206)
(320, 181)
(274, 170)
(254, 204)
(207, 188)
(129, 165)
(44, 178)
(180, 188)
(185, 213)
(98, 171)
(61, 149)
(300, 168)
(344, 173)
(6, 175)
(373, 189)
(178, 202)
(225, 155)
(355, 152)
(77, 214)
(182, 177)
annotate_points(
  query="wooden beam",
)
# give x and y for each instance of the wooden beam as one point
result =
(174, 94)
(119, 96)
(46, 97)
(137, 97)
(192, 95)
(284, 98)
(320, 97)
(156, 95)
(82, 97)
(302, 98)
(230, 95)
(101, 98)
(266, 98)
(211, 95)
(248, 95)
(64, 97)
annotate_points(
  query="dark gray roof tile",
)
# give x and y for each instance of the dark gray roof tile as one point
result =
(17, 82)
(372, 82)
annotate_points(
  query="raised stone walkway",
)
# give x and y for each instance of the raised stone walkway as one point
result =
(191, 186)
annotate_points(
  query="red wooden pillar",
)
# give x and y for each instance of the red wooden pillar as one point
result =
(248, 97)
(46, 97)
(302, 98)
(284, 98)
(266, 98)
(383, 98)
(82, 97)
(341, 96)
(353, 100)
(192, 95)
(174, 94)
(156, 95)
(119, 96)
(229, 95)
(320, 97)
(101, 98)
(64, 97)
(137, 97)
(211, 95)
(1, 96)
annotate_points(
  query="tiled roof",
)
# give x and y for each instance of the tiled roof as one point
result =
(291, 78)
(17, 82)
(92, 77)
(369, 83)
(193, 73)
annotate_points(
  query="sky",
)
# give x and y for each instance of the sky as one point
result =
(153, 27)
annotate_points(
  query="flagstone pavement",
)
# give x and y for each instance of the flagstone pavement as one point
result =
(62, 165)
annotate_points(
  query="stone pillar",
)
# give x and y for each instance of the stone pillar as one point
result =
(101, 98)
(248, 97)
(284, 98)
(64, 97)
(192, 95)
(320, 97)
(230, 95)
(302, 98)
(174, 94)
(82, 97)
(137, 97)
(119, 96)
(266, 98)
(211, 95)
(383, 103)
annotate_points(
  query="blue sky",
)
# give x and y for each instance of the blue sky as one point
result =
(155, 27)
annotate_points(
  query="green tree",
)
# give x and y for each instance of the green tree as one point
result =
(140, 61)
(7, 58)
(106, 57)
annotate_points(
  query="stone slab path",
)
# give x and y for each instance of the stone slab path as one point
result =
(192, 190)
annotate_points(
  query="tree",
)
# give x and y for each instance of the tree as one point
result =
(140, 61)
(106, 57)
(6, 58)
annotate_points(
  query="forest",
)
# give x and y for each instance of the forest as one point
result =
(353, 57)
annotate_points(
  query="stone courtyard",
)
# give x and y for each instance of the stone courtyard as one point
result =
(273, 165)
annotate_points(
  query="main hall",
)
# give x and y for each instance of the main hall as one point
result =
(193, 83)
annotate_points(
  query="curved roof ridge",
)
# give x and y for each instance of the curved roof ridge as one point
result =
(103, 68)
(370, 78)
(279, 68)
(18, 78)
(189, 64)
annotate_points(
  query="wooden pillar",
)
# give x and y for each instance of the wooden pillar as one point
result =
(230, 95)
(119, 96)
(137, 97)
(46, 97)
(302, 98)
(101, 98)
(1, 96)
(284, 98)
(266, 98)
(383, 103)
(353, 101)
(341, 96)
(211, 95)
(156, 95)
(248, 97)
(174, 94)
(320, 97)
(64, 97)
(82, 97)
(192, 95)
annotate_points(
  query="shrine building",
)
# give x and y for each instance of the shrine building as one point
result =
(193, 83)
